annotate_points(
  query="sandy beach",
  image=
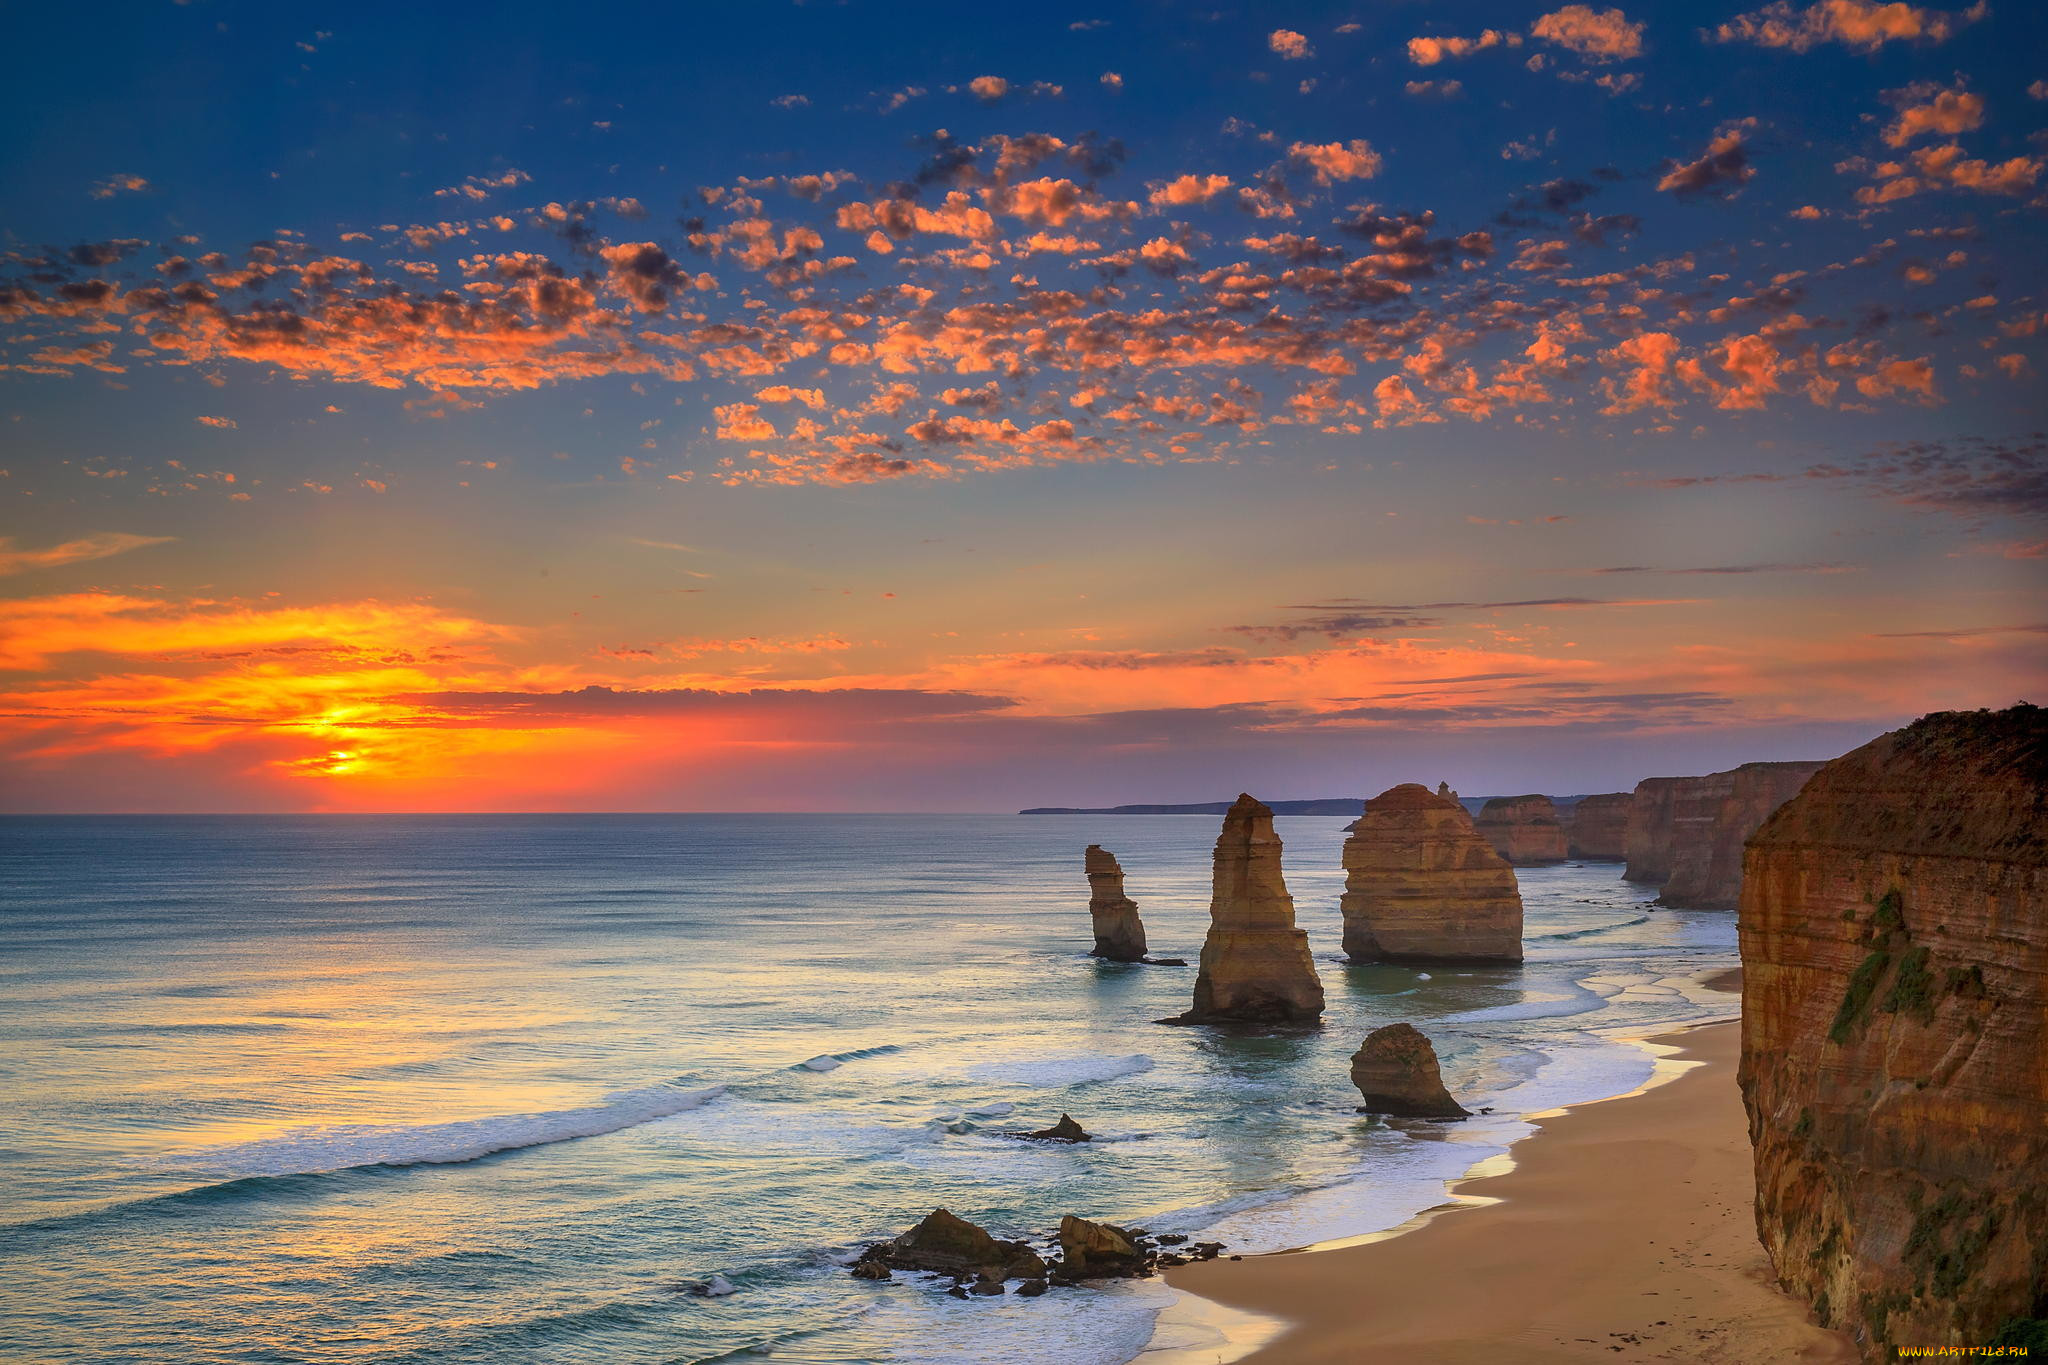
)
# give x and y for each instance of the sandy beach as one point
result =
(1622, 1232)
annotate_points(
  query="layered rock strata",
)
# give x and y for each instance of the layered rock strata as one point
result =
(1894, 929)
(1396, 1071)
(1646, 845)
(1422, 885)
(1255, 965)
(1119, 933)
(1686, 833)
(1596, 827)
(1525, 830)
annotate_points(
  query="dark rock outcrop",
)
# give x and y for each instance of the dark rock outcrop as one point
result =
(1097, 1250)
(1066, 1130)
(1894, 928)
(1525, 830)
(1421, 885)
(1119, 933)
(1396, 1071)
(1596, 827)
(1255, 964)
(1686, 833)
(949, 1245)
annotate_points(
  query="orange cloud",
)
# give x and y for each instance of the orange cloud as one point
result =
(1289, 44)
(1860, 24)
(1189, 189)
(1430, 51)
(1334, 161)
(1597, 35)
(1942, 112)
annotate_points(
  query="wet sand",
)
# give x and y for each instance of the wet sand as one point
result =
(1623, 1231)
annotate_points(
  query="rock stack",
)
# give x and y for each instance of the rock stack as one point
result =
(1685, 834)
(1596, 827)
(1396, 1071)
(1119, 933)
(1524, 830)
(1255, 966)
(1422, 885)
(1894, 928)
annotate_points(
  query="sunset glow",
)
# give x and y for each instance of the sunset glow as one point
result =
(1215, 403)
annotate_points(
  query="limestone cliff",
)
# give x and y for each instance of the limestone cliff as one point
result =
(1711, 817)
(1894, 928)
(1525, 830)
(1422, 885)
(1596, 827)
(1255, 963)
(1119, 933)
(1647, 843)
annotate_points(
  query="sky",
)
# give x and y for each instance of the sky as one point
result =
(904, 407)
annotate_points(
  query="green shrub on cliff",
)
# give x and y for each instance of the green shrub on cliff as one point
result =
(1862, 985)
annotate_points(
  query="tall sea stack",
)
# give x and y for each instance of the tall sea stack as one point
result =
(1524, 830)
(1256, 966)
(1894, 928)
(1686, 833)
(1596, 827)
(1422, 885)
(1119, 933)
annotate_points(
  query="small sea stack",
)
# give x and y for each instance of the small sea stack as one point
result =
(1119, 933)
(1525, 830)
(1396, 1071)
(1421, 885)
(1255, 964)
(1596, 827)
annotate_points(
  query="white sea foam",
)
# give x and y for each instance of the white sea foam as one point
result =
(338, 1147)
(825, 1063)
(1050, 1073)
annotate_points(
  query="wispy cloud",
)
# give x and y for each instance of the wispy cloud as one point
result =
(100, 545)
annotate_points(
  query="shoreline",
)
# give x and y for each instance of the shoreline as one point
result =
(1615, 1231)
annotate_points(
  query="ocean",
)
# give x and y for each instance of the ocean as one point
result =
(492, 1088)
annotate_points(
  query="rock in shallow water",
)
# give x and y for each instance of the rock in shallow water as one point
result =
(1396, 1071)
(1066, 1130)
(1421, 884)
(1256, 966)
(951, 1245)
(1119, 932)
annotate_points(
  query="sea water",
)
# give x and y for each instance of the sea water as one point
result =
(491, 1088)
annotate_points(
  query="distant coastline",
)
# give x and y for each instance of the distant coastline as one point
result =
(1350, 807)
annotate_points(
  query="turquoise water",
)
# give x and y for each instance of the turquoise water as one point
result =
(613, 1053)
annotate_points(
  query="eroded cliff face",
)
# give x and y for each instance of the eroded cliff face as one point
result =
(1686, 833)
(1711, 818)
(1119, 932)
(1596, 827)
(1525, 830)
(1647, 843)
(1422, 885)
(1256, 966)
(1894, 928)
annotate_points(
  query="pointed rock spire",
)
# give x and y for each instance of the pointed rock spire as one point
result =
(1255, 964)
(1119, 933)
